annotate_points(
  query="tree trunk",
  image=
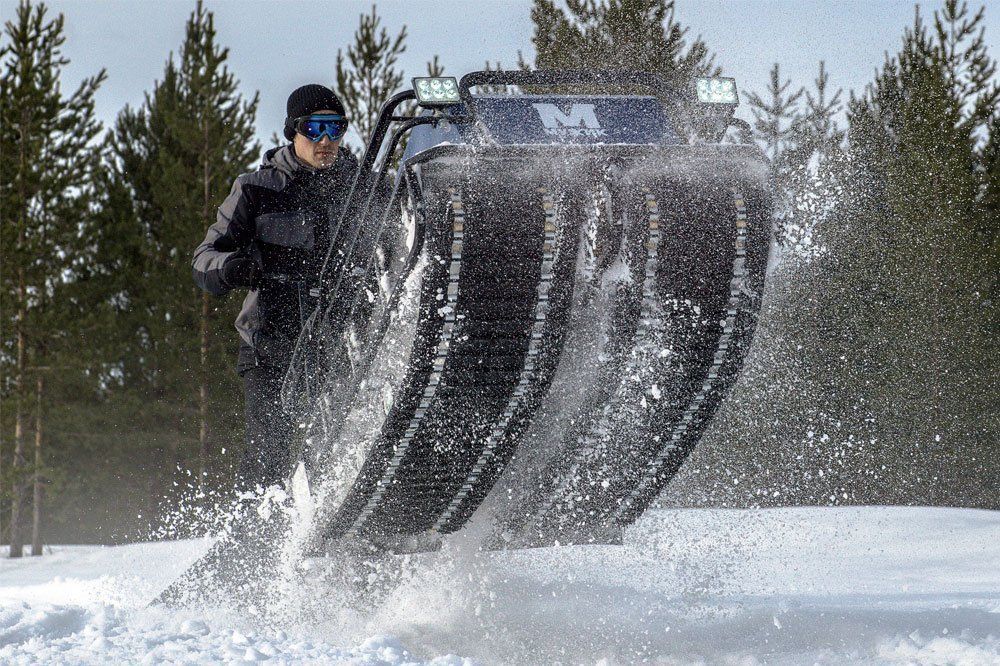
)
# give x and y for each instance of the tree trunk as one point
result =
(203, 357)
(17, 461)
(36, 499)
(203, 393)
(1, 476)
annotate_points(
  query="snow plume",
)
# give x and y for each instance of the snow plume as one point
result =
(197, 512)
(811, 195)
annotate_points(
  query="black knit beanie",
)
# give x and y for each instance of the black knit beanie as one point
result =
(307, 100)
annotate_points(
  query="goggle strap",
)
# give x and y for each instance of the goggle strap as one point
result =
(326, 117)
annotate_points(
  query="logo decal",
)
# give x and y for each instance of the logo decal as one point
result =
(579, 123)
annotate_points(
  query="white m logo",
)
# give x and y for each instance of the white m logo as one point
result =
(580, 121)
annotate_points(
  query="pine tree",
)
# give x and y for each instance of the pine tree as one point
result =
(798, 132)
(434, 67)
(810, 167)
(819, 126)
(990, 193)
(890, 367)
(915, 257)
(873, 377)
(45, 195)
(776, 117)
(635, 35)
(777, 122)
(368, 75)
(177, 157)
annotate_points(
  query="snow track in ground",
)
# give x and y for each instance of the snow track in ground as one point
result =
(782, 586)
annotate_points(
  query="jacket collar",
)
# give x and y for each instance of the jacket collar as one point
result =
(284, 160)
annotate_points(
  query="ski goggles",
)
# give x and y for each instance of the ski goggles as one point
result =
(317, 126)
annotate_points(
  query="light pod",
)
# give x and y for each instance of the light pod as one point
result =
(436, 91)
(716, 90)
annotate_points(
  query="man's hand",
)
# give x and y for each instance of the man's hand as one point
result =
(239, 270)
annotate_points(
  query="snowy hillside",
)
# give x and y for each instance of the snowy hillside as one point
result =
(789, 586)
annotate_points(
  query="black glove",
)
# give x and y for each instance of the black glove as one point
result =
(239, 270)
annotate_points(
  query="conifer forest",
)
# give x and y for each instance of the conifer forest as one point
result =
(874, 377)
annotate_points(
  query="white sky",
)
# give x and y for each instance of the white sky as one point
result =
(277, 46)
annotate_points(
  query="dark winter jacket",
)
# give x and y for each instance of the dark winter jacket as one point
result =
(283, 216)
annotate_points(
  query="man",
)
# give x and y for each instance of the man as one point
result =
(271, 237)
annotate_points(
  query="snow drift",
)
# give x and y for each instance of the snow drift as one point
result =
(785, 586)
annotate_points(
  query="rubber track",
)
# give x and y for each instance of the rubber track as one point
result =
(615, 468)
(485, 330)
(495, 299)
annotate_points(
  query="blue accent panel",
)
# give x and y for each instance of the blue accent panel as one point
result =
(530, 119)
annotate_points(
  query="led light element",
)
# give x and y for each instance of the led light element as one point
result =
(717, 90)
(436, 90)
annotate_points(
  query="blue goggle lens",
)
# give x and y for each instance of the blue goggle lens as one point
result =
(315, 127)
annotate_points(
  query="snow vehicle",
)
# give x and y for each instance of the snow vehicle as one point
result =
(538, 317)
(445, 332)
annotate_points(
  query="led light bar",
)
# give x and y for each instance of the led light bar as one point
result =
(717, 90)
(436, 90)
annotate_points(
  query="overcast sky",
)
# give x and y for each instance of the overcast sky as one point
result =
(277, 46)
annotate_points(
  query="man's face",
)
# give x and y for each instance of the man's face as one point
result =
(319, 154)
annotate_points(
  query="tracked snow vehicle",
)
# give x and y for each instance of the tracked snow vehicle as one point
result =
(532, 322)
(545, 309)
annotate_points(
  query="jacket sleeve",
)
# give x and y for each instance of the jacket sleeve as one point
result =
(232, 231)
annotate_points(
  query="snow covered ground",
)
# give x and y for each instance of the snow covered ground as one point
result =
(782, 586)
